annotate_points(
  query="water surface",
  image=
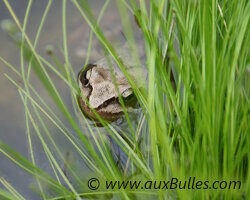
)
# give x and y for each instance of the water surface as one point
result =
(12, 116)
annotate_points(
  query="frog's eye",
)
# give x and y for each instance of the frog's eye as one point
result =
(85, 74)
(128, 96)
(84, 77)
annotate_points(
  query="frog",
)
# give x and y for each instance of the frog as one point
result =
(100, 87)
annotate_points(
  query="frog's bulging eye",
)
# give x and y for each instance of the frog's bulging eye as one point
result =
(84, 75)
(83, 78)
(128, 96)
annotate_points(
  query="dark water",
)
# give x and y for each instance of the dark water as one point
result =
(12, 116)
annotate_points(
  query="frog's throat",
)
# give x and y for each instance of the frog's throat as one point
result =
(91, 115)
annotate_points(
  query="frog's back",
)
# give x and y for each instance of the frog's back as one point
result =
(135, 68)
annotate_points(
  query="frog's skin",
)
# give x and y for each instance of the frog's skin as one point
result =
(99, 91)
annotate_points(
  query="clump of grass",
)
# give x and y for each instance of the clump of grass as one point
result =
(195, 106)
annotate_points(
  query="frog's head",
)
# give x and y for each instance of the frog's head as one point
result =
(98, 90)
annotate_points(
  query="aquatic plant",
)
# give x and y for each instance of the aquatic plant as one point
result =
(195, 108)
